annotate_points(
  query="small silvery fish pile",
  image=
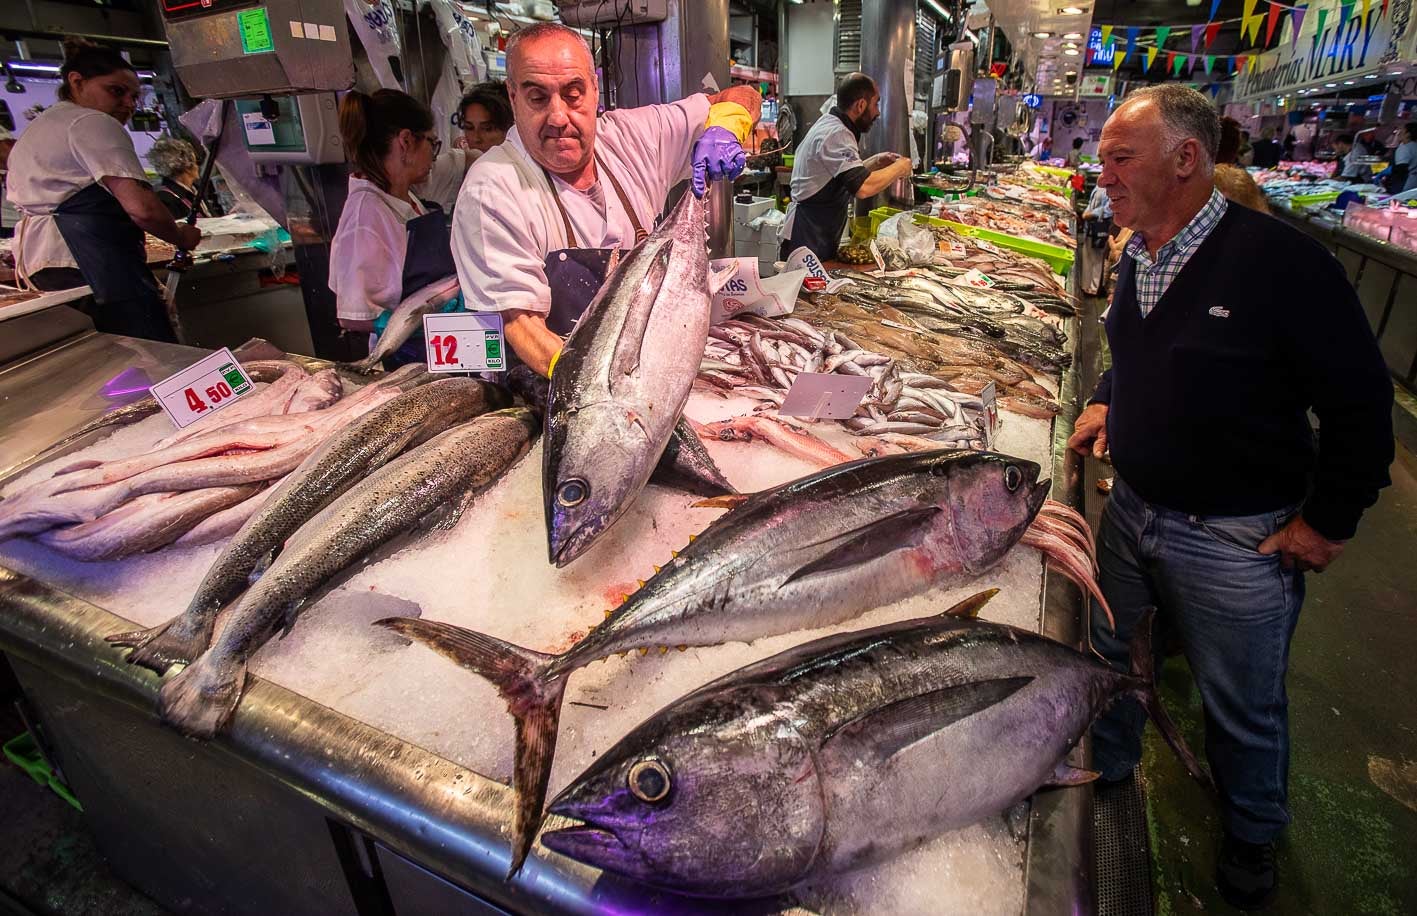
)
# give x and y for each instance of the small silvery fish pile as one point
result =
(760, 358)
(1030, 278)
(811, 553)
(843, 752)
(1044, 223)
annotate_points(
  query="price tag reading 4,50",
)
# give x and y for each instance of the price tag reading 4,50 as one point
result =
(202, 388)
(464, 342)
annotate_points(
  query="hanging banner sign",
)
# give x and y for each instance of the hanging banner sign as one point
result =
(1328, 50)
(1102, 52)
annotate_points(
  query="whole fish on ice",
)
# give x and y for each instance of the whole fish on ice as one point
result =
(810, 553)
(843, 752)
(342, 461)
(429, 485)
(621, 381)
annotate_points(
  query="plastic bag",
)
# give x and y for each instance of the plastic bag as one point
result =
(913, 245)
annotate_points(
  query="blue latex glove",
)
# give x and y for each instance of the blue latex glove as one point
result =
(717, 155)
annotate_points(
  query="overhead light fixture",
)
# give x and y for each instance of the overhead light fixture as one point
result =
(1394, 73)
(1330, 85)
(30, 66)
(1042, 34)
(939, 11)
(1371, 76)
(1075, 36)
(1348, 82)
(1071, 11)
(1071, 52)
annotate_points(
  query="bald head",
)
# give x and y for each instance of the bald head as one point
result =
(551, 84)
(547, 39)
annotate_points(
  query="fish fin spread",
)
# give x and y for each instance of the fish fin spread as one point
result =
(1143, 665)
(882, 733)
(447, 516)
(897, 531)
(533, 695)
(1065, 774)
(969, 608)
(165, 645)
(717, 278)
(687, 466)
(726, 501)
(629, 349)
(201, 699)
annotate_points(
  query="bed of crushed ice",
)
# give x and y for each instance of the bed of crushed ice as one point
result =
(490, 573)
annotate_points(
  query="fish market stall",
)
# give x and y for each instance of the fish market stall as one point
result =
(361, 765)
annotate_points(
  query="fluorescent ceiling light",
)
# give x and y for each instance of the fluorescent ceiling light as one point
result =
(1070, 11)
(1348, 82)
(1073, 35)
(1071, 52)
(1042, 34)
(1330, 85)
(1371, 76)
(939, 11)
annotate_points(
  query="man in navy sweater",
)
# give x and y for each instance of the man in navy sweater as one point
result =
(1226, 328)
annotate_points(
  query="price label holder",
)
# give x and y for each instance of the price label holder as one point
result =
(464, 342)
(824, 396)
(202, 388)
(989, 395)
(976, 278)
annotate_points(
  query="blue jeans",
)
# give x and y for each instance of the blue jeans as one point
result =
(1235, 610)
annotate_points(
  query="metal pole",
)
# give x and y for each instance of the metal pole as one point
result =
(887, 56)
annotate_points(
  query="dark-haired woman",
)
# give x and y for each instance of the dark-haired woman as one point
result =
(85, 200)
(484, 116)
(389, 244)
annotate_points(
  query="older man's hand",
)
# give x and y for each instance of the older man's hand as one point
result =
(1090, 432)
(1300, 546)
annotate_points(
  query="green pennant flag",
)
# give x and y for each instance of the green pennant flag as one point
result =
(1209, 62)
(1319, 31)
(1179, 64)
(1162, 33)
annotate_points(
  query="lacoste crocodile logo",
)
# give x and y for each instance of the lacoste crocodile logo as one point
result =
(1219, 312)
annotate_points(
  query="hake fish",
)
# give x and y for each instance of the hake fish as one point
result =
(621, 382)
(810, 553)
(406, 319)
(143, 524)
(342, 461)
(843, 752)
(430, 485)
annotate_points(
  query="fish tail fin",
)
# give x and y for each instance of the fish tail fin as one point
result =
(364, 366)
(1143, 665)
(532, 690)
(201, 699)
(159, 648)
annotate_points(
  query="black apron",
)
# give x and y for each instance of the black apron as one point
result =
(575, 274)
(427, 259)
(112, 257)
(820, 219)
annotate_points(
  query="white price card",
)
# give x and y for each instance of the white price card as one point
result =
(464, 342)
(202, 388)
(989, 395)
(975, 277)
(824, 396)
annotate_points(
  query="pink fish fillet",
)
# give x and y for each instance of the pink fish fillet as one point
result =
(221, 525)
(273, 400)
(787, 439)
(143, 524)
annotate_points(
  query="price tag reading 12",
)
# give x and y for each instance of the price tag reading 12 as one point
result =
(464, 342)
(202, 388)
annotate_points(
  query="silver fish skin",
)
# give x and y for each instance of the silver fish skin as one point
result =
(844, 752)
(403, 323)
(810, 553)
(143, 524)
(621, 382)
(339, 463)
(433, 481)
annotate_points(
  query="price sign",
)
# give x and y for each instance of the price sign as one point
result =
(824, 396)
(464, 342)
(202, 388)
(975, 277)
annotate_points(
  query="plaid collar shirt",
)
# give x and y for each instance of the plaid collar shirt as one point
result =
(1155, 275)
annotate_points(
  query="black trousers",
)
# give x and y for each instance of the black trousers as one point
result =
(140, 316)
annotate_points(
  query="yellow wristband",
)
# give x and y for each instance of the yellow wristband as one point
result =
(731, 117)
(551, 366)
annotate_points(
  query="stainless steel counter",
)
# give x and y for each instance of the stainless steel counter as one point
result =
(299, 809)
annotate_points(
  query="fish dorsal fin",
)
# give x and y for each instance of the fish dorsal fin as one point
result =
(897, 531)
(882, 733)
(726, 501)
(632, 334)
(969, 608)
(721, 276)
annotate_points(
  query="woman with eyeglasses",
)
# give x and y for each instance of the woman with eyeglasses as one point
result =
(390, 243)
(484, 116)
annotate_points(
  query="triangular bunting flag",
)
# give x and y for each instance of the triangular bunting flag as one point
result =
(1272, 20)
(1209, 62)
(1296, 23)
(1106, 35)
(1247, 15)
(1117, 59)
(1383, 11)
(1196, 32)
(1319, 26)
(1345, 9)
(1170, 61)
(1237, 63)
(1150, 57)
(1254, 63)
(1178, 64)
(1132, 32)
(1367, 4)
(1211, 31)
(1252, 27)
(1162, 33)
(1195, 62)
(1214, 8)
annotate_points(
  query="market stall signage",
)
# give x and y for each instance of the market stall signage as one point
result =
(202, 388)
(1099, 53)
(464, 342)
(255, 28)
(825, 396)
(1331, 48)
(1033, 100)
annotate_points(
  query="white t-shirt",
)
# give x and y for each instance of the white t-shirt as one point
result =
(829, 149)
(64, 150)
(1406, 154)
(441, 186)
(368, 251)
(506, 223)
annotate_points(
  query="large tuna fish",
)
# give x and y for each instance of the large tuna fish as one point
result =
(843, 752)
(621, 382)
(808, 554)
(426, 487)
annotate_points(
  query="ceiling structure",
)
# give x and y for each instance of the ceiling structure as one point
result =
(1050, 36)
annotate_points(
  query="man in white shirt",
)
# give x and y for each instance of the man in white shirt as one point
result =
(829, 173)
(539, 218)
(1404, 160)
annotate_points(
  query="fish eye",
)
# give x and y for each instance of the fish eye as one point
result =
(1013, 477)
(649, 781)
(572, 493)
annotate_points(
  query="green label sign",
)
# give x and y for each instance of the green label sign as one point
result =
(255, 28)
